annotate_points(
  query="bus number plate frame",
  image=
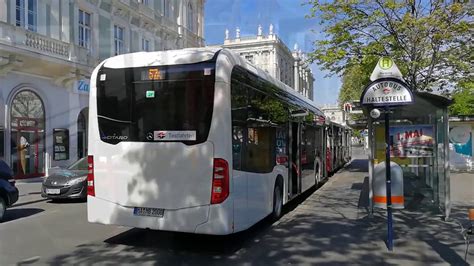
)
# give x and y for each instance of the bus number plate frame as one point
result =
(151, 212)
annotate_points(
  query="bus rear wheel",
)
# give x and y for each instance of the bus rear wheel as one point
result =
(277, 201)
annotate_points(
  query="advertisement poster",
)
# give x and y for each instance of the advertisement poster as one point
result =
(412, 141)
(461, 138)
(61, 144)
(460, 147)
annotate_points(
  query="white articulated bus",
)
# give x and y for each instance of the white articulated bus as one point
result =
(197, 140)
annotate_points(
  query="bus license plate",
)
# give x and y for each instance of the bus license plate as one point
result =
(143, 211)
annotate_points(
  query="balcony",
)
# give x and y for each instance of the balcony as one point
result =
(19, 38)
(169, 25)
(192, 39)
(145, 10)
(125, 2)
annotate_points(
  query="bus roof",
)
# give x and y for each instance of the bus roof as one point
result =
(265, 75)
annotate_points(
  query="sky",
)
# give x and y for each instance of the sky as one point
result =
(290, 24)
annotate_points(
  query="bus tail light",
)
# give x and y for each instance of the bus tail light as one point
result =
(90, 176)
(220, 181)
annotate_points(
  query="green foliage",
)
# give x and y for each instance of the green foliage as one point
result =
(429, 40)
(275, 109)
(355, 78)
(356, 133)
(463, 99)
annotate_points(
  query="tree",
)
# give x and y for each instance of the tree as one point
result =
(429, 40)
(354, 79)
(463, 99)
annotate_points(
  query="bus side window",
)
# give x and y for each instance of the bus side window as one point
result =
(237, 147)
(259, 157)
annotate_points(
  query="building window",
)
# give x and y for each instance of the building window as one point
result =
(146, 2)
(84, 29)
(190, 18)
(26, 14)
(168, 9)
(162, 6)
(249, 58)
(145, 45)
(118, 40)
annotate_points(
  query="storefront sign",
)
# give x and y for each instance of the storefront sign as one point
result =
(411, 141)
(82, 87)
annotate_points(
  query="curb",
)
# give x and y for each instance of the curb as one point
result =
(29, 180)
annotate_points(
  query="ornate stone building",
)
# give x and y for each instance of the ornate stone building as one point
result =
(48, 49)
(334, 113)
(270, 53)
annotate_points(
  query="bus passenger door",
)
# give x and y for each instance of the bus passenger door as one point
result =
(294, 169)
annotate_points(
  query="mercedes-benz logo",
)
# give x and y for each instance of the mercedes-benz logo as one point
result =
(149, 136)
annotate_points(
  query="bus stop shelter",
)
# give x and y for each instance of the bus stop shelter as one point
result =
(419, 143)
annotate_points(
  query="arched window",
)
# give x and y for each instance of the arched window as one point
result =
(27, 122)
(190, 18)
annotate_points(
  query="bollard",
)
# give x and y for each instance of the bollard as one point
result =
(379, 188)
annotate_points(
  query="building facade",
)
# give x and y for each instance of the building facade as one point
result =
(270, 53)
(334, 113)
(48, 49)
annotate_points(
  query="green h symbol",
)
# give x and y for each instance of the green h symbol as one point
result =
(385, 63)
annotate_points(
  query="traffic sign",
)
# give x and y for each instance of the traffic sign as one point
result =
(386, 68)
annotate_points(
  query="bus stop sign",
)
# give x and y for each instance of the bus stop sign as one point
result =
(386, 92)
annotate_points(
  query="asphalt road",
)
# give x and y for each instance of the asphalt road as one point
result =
(41, 232)
(36, 228)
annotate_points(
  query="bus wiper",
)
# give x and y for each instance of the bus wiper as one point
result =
(115, 120)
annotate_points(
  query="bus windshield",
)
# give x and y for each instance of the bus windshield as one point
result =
(156, 104)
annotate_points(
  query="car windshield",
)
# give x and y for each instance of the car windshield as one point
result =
(80, 164)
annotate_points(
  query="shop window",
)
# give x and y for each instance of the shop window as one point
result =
(27, 121)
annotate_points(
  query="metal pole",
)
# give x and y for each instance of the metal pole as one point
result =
(370, 130)
(388, 181)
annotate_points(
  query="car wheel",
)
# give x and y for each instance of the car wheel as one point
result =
(3, 207)
(277, 201)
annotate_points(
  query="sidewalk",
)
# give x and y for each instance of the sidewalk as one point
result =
(330, 228)
(29, 191)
